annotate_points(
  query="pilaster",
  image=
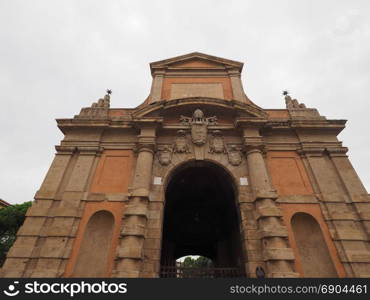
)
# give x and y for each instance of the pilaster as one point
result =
(333, 178)
(277, 254)
(133, 233)
(157, 83)
(236, 85)
(22, 256)
(55, 244)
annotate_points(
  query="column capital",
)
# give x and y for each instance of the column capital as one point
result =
(337, 151)
(145, 148)
(311, 151)
(159, 73)
(65, 150)
(146, 143)
(233, 72)
(89, 150)
(253, 148)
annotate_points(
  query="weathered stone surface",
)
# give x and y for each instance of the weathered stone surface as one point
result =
(61, 226)
(22, 247)
(268, 212)
(274, 232)
(136, 229)
(32, 226)
(39, 208)
(53, 178)
(136, 210)
(53, 247)
(278, 254)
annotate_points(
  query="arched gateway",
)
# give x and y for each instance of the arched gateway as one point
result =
(196, 169)
(201, 217)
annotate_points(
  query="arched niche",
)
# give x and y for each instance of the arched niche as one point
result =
(92, 259)
(313, 252)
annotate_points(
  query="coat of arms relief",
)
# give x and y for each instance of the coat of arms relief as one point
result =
(216, 143)
(234, 155)
(181, 142)
(165, 155)
(199, 133)
(198, 123)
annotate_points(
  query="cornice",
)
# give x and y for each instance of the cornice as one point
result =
(230, 104)
(333, 125)
(225, 63)
(249, 122)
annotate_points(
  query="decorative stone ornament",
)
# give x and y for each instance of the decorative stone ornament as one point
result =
(165, 156)
(198, 125)
(98, 109)
(292, 103)
(216, 144)
(234, 155)
(181, 142)
(199, 134)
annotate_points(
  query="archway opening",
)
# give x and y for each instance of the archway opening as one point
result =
(201, 219)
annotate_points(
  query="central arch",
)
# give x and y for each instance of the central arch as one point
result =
(201, 217)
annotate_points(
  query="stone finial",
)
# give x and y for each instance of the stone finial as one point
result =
(103, 102)
(99, 109)
(292, 103)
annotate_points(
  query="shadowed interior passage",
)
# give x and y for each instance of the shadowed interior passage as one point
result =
(201, 216)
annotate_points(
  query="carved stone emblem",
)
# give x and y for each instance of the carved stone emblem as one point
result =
(181, 142)
(198, 125)
(216, 144)
(199, 134)
(234, 155)
(165, 155)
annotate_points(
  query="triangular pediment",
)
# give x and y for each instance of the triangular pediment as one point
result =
(196, 63)
(196, 60)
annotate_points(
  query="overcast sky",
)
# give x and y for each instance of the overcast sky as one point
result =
(59, 56)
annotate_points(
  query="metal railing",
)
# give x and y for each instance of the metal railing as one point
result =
(200, 272)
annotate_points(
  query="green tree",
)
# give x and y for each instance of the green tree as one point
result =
(11, 218)
(202, 262)
(199, 262)
(196, 267)
(188, 262)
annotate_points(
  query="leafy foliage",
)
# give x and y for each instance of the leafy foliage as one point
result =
(11, 218)
(199, 262)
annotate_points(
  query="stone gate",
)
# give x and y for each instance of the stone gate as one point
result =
(197, 169)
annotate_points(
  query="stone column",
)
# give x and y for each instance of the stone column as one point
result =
(130, 252)
(277, 254)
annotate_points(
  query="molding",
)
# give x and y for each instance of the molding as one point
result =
(65, 150)
(89, 150)
(254, 111)
(337, 151)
